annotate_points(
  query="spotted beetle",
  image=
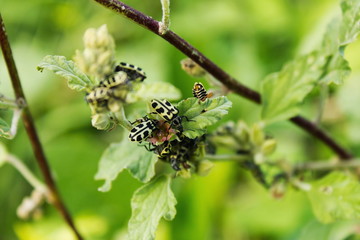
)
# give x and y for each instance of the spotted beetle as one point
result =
(98, 98)
(143, 130)
(133, 72)
(114, 80)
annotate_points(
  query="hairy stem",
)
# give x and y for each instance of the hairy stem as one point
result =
(31, 130)
(231, 83)
(165, 21)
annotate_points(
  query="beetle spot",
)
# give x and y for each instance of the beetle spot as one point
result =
(160, 110)
(146, 133)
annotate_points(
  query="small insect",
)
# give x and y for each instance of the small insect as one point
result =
(133, 72)
(98, 98)
(165, 109)
(142, 130)
(164, 149)
(174, 162)
(168, 112)
(114, 80)
(200, 92)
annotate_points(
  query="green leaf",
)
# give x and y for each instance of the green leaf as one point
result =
(335, 197)
(77, 80)
(149, 204)
(336, 69)
(202, 114)
(350, 27)
(4, 129)
(147, 91)
(125, 155)
(334, 231)
(282, 92)
(3, 154)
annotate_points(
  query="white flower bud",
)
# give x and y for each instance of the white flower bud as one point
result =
(97, 58)
(30, 206)
(100, 121)
(90, 38)
(259, 158)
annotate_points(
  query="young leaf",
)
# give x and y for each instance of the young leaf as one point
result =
(4, 129)
(77, 80)
(147, 91)
(125, 155)
(335, 197)
(202, 114)
(282, 92)
(149, 204)
(350, 27)
(336, 69)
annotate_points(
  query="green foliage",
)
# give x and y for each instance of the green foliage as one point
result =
(283, 92)
(77, 80)
(334, 231)
(125, 155)
(349, 28)
(202, 114)
(335, 197)
(149, 204)
(4, 129)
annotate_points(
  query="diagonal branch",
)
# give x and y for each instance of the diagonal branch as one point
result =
(31, 130)
(230, 82)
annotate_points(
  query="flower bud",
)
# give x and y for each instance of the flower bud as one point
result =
(30, 206)
(184, 173)
(97, 58)
(278, 190)
(268, 147)
(100, 121)
(256, 135)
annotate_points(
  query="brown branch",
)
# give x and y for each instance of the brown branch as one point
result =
(231, 83)
(31, 130)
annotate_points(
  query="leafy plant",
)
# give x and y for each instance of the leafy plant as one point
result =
(166, 140)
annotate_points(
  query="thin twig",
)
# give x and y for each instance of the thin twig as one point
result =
(26, 173)
(231, 83)
(31, 130)
(326, 165)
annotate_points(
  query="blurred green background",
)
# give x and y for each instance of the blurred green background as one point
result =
(249, 39)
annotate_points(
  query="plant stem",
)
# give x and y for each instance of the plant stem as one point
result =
(225, 158)
(326, 165)
(31, 131)
(231, 83)
(122, 120)
(165, 21)
(26, 173)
